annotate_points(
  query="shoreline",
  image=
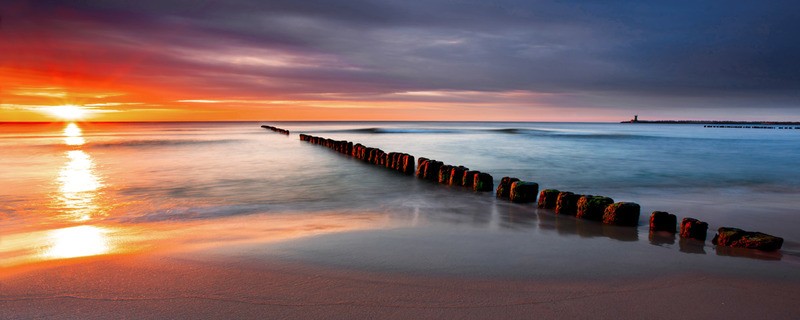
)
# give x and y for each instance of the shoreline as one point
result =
(259, 265)
(422, 243)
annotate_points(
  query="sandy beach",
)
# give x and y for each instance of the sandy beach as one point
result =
(159, 287)
(233, 268)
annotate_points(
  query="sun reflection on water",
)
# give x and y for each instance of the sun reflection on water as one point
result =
(77, 175)
(78, 183)
(80, 241)
(73, 135)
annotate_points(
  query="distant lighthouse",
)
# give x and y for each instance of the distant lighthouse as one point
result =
(634, 120)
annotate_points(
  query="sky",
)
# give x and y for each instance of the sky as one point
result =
(445, 60)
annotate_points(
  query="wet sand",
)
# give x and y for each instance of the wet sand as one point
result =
(334, 265)
(144, 286)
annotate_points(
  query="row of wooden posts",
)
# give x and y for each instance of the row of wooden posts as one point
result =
(588, 207)
(276, 129)
(401, 162)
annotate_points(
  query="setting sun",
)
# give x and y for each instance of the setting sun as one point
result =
(67, 112)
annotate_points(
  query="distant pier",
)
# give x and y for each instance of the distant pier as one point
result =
(777, 125)
(751, 127)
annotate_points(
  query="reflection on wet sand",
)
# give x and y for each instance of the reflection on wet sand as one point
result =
(748, 253)
(568, 225)
(523, 217)
(661, 238)
(80, 241)
(61, 243)
(516, 217)
(691, 246)
(620, 233)
(93, 240)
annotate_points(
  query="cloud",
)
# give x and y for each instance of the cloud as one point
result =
(614, 54)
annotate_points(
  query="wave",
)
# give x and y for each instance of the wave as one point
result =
(378, 130)
(538, 132)
(392, 131)
(566, 134)
(596, 135)
(198, 213)
(520, 131)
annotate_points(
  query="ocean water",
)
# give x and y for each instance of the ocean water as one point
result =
(156, 178)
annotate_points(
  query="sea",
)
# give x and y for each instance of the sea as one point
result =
(78, 189)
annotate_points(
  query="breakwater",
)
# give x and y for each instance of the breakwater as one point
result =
(727, 124)
(600, 209)
(276, 129)
(717, 122)
(740, 126)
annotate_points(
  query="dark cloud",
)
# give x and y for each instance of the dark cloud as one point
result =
(631, 50)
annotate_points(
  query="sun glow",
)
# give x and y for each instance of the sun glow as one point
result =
(67, 112)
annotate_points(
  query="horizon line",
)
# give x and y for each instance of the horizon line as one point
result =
(233, 121)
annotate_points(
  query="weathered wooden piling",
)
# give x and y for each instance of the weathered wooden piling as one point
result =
(547, 198)
(391, 160)
(738, 238)
(593, 207)
(469, 178)
(380, 157)
(663, 221)
(408, 164)
(400, 162)
(432, 170)
(457, 175)
(422, 165)
(567, 203)
(504, 188)
(622, 214)
(373, 152)
(693, 229)
(482, 182)
(443, 177)
(523, 191)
